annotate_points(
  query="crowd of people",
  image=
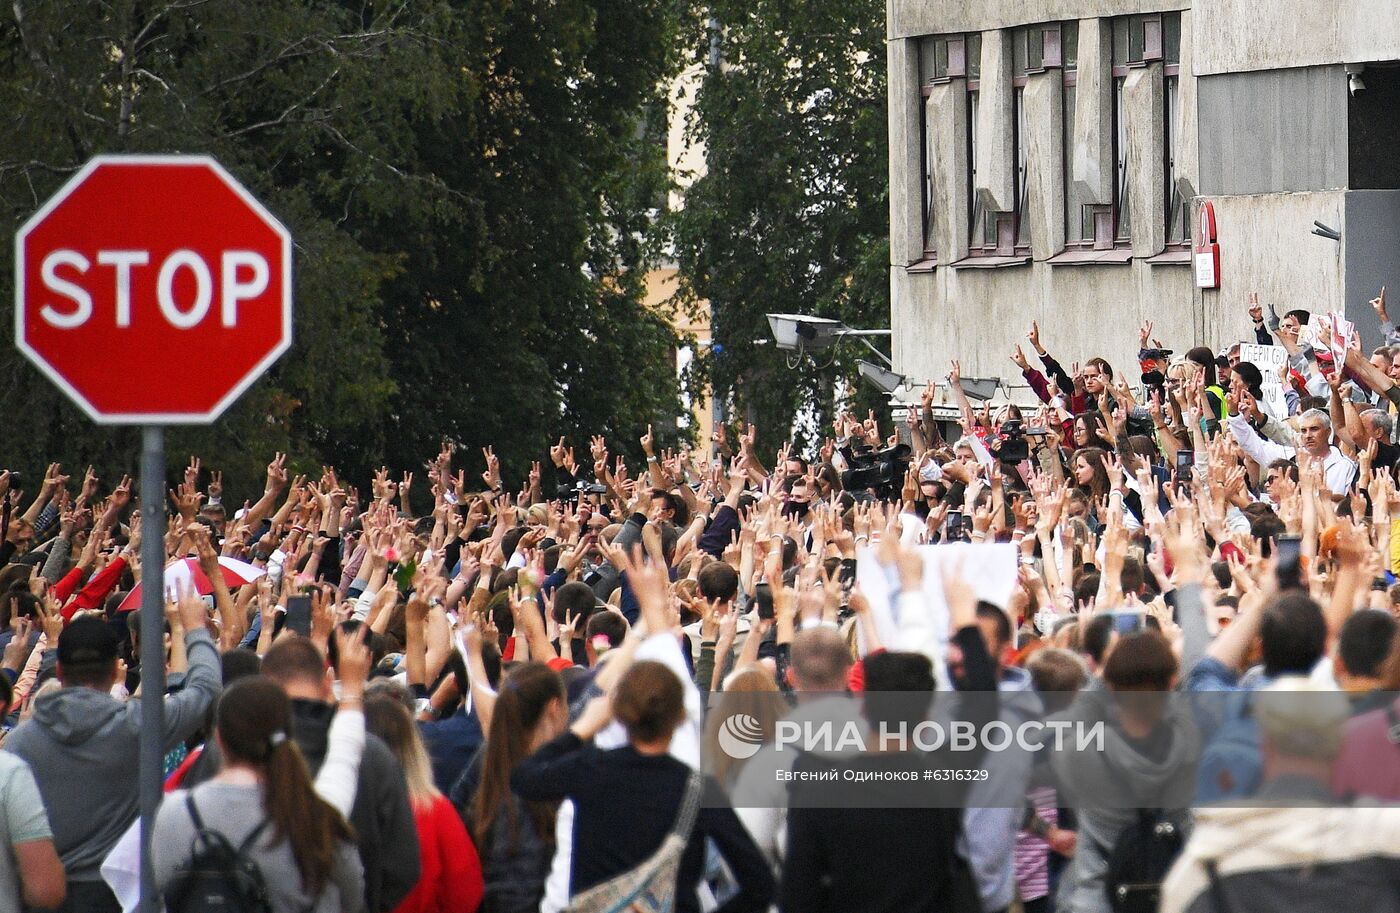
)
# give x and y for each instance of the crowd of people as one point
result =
(451, 696)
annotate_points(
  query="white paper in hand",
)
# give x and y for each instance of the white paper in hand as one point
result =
(989, 568)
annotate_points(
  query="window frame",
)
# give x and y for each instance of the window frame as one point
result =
(1107, 219)
(998, 233)
(927, 244)
(1172, 132)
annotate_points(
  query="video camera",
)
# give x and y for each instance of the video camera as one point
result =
(881, 470)
(1012, 448)
(570, 492)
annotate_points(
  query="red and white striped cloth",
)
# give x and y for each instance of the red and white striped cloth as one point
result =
(1032, 862)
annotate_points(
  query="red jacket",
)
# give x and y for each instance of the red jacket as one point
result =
(451, 879)
(90, 596)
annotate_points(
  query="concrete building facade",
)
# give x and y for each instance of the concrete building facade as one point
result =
(1048, 159)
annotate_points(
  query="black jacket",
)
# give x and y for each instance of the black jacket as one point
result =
(888, 847)
(625, 804)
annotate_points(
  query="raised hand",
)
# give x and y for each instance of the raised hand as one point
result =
(204, 550)
(746, 440)
(121, 495)
(556, 453)
(353, 654)
(277, 473)
(492, 475)
(1144, 334)
(186, 499)
(383, 488)
(54, 479)
(1020, 359)
(89, 489)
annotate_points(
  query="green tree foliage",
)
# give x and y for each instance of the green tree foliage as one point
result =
(792, 213)
(468, 184)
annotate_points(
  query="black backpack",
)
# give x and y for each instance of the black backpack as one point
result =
(1139, 860)
(218, 877)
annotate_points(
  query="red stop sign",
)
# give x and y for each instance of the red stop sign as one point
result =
(153, 289)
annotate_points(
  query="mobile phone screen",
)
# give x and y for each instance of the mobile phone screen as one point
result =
(299, 615)
(1127, 622)
(1289, 568)
(763, 595)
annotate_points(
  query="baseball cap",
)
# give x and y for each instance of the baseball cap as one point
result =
(87, 640)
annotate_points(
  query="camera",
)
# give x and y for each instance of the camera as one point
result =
(881, 470)
(1012, 448)
(569, 492)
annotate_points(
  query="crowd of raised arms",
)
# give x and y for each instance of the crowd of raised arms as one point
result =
(443, 695)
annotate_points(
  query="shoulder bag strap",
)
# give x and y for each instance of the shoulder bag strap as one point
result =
(1217, 888)
(690, 805)
(200, 827)
(194, 812)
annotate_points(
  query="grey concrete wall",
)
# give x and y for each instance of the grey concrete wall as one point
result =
(1188, 159)
(1092, 158)
(946, 109)
(906, 190)
(1144, 108)
(996, 173)
(1266, 246)
(911, 18)
(1045, 177)
(1240, 35)
(1372, 225)
(977, 315)
(1281, 130)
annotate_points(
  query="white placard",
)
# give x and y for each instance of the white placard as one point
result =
(1265, 358)
(1268, 359)
(989, 568)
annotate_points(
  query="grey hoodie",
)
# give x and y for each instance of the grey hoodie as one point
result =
(84, 748)
(1106, 788)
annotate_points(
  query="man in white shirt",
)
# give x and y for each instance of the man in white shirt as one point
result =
(1314, 437)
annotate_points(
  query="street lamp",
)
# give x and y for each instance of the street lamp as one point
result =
(882, 378)
(796, 332)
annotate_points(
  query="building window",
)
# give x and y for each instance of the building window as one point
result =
(1087, 225)
(1023, 220)
(943, 58)
(1034, 49)
(1178, 207)
(929, 51)
(1122, 201)
(990, 232)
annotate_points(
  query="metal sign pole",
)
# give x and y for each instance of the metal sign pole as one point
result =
(152, 649)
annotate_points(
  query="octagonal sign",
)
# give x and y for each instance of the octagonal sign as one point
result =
(153, 289)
